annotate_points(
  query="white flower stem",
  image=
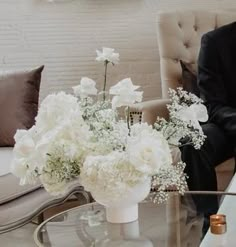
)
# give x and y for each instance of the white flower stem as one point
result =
(185, 144)
(170, 135)
(127, 117)
(105, 80)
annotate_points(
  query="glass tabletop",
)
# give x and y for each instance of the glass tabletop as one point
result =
(174, 223)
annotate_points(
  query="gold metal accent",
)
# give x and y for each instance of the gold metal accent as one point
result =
(218, 223)
(217, 218)
(218, 228)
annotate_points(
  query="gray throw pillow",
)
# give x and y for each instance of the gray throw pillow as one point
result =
(19, 94)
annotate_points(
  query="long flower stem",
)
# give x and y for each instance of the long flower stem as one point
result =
(105, 80)
(185, 144)
(127, 117)
(170, 135)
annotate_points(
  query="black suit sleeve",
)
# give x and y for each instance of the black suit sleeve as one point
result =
(211, 85)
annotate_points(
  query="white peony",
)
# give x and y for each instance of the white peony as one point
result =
(193, 114)
(86, 87)
(125, 93)
(55, 109)
(107, 55)
(148, 151)
(110, 175)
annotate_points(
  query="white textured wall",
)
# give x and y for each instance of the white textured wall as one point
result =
(64, 37)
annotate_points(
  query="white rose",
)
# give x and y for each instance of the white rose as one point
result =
(107, 54)
(149, 152)
(86, 87)
(125, 93)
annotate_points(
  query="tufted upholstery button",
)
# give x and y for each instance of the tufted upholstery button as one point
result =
(186, 45)
(176, 60)
(180, 25)
(195, 28)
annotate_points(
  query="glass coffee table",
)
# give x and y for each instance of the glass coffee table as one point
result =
(174, 223)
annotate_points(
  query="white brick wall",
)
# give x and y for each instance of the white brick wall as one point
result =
(64, 37)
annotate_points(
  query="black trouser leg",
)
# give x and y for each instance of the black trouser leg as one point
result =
(200, 165)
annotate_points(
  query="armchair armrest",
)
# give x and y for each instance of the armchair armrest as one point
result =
(148, 111)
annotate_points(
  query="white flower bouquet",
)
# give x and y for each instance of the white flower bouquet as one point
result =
(185, 112)
(82, 138)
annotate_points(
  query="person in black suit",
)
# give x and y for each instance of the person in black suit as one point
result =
(217, 85)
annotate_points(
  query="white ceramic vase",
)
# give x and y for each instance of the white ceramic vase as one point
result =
(125, 208)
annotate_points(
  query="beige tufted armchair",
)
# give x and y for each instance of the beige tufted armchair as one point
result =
(179, 34)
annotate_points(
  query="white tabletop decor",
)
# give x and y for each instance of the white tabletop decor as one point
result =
(79, 138)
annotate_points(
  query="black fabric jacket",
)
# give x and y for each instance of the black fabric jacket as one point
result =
(217, 77)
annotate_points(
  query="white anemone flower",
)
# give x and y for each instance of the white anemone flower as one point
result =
(107, 54)
(125, 93)
(87, 87)
(193, 114)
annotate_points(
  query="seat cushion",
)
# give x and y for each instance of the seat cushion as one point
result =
(9, 184)
(12, 189)
(5, 160)
(20, 211)
(19, 94)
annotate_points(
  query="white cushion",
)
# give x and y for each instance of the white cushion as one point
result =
(5, 160)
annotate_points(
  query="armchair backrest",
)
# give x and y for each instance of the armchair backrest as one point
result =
(179, 36)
